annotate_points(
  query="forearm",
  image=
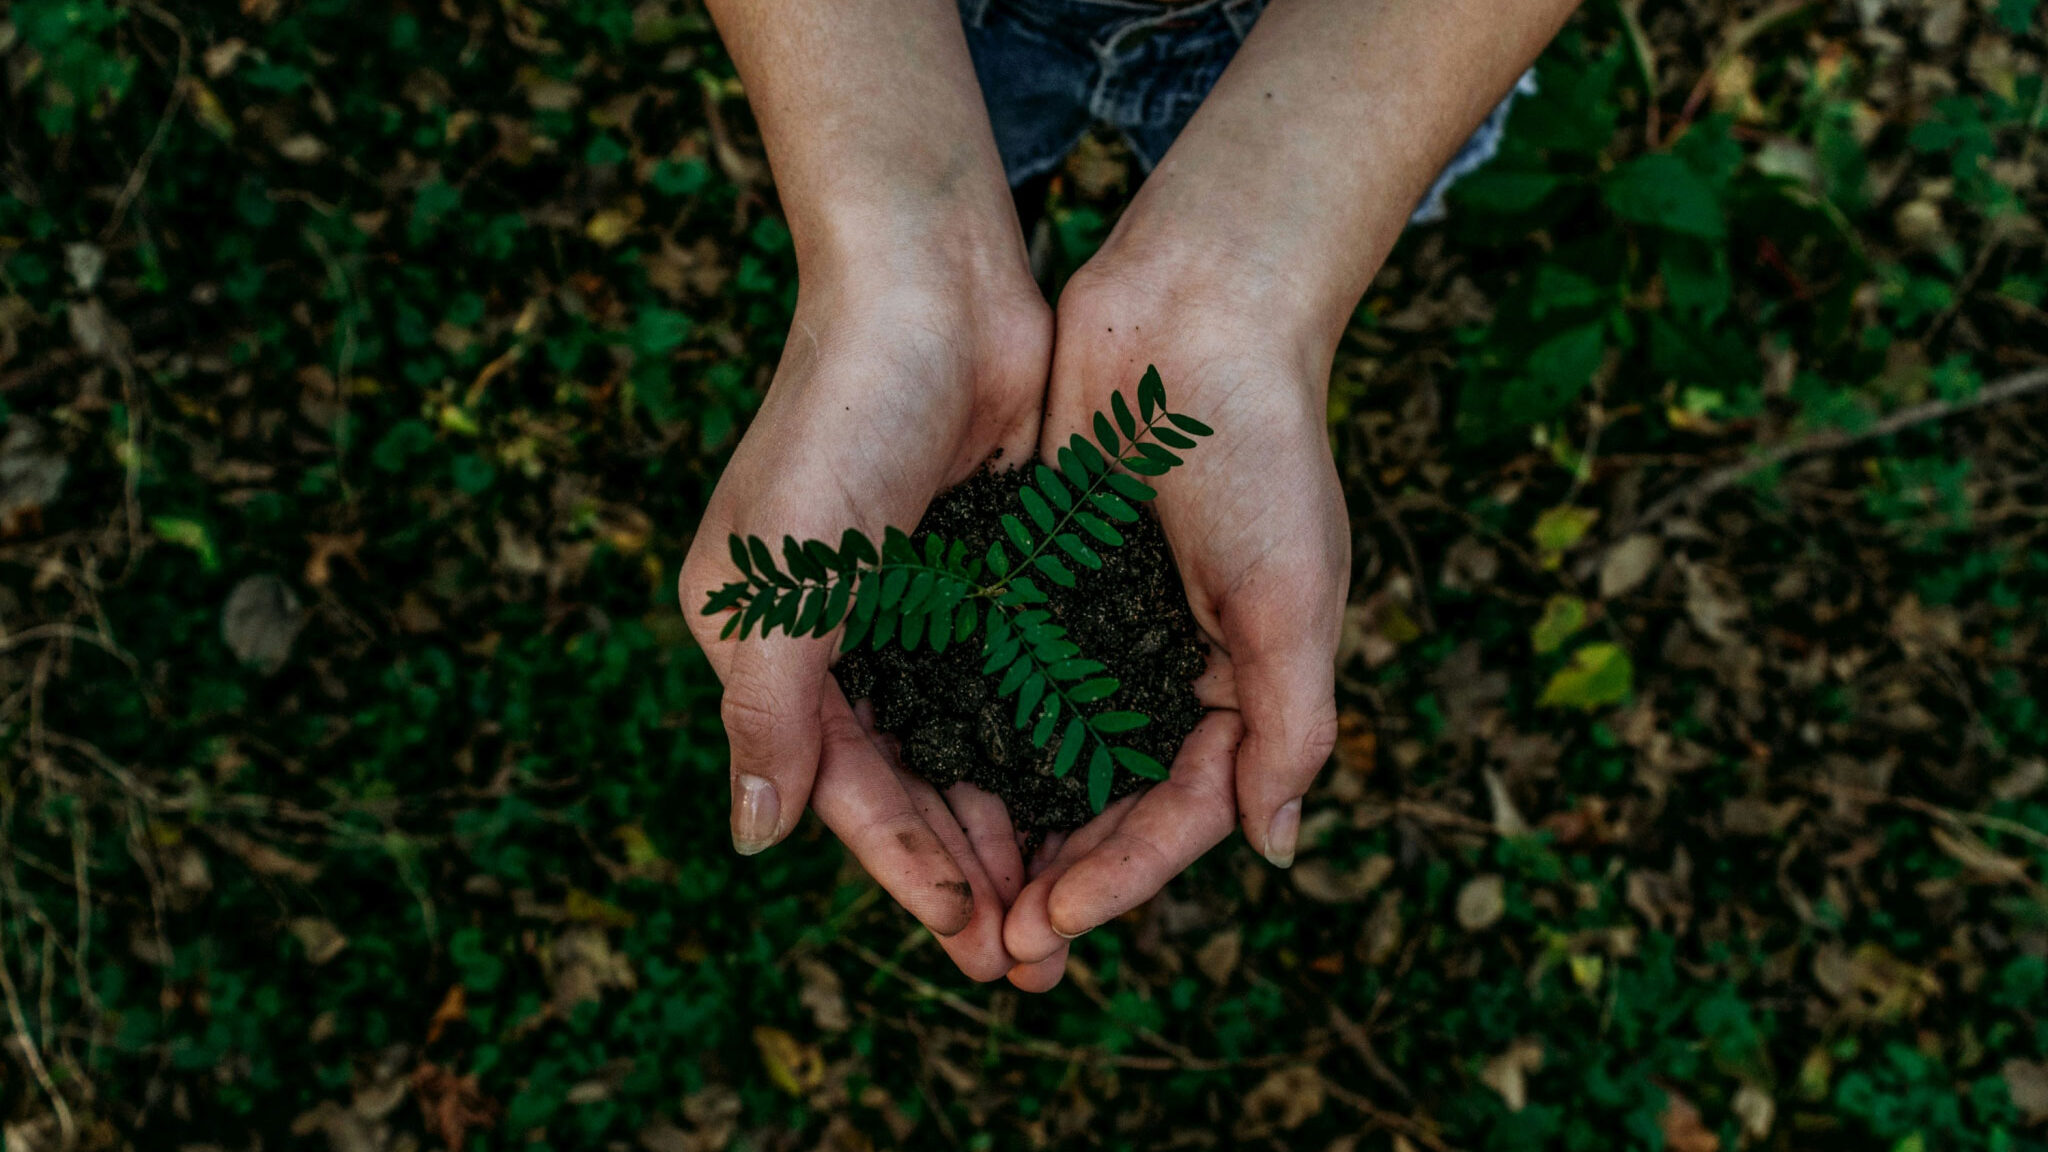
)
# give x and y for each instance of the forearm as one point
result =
(1303, 165)
(875, 130)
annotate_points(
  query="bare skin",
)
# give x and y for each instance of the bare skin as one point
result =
(1234, 271)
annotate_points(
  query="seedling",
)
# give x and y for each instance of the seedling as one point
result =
(940, 596)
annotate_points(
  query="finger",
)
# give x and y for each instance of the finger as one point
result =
(1289, 705)
(1048, 851)
(774, 689)
(864, 802)
(1028, 931)
(1172, 825)
(1042, 976)
(978, 948)
(986, 820)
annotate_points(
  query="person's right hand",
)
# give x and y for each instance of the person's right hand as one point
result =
(893, 386)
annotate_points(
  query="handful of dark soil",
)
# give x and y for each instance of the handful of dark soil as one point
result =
(1130, 614)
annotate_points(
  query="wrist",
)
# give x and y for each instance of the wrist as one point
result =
(1184, 295)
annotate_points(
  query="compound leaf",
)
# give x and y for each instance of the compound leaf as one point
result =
(1106, 436)
(1082, 553)
(1091, 459)
(1099, 772)
(1124, 420)
(1070, 746)
(1151, 392)
(856, 549)
(1055, 571)
(1139, 764)
(1055, 493)
(1089, 691)
(1019, 535)
(1034, 690)
(1095, 527)
(1041, 515)
(1113, 506)
(1128, 488)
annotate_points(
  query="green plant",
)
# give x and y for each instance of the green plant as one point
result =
(941, 596)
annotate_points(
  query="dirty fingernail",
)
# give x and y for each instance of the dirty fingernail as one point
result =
(756, 813)
(1282, 833)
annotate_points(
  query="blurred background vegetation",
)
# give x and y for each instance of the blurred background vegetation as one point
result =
(364, 367)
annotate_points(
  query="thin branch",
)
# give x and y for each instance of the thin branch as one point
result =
(140, 173)
(1721, 479)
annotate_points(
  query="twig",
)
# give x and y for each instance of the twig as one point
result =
(1394, 525)
(1385, 1119)
(140, 173)
(1032, 1046)
(32, 1056)
(1349, 1031)
(1721, 479)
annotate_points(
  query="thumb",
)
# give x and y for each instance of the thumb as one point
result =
(1289, 704)
(773, 688)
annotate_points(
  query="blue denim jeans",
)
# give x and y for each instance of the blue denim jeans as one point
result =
(1050, 68)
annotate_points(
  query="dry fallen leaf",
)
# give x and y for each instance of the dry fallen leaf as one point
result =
(261, 619)
(1218, 958)
(32, 472)
(1508, 1073)
(1322, 881)
(1482, 902)
(1286, 1099)
(1628, 564)
(452, 1105)
(1980, 859)
(794, 1066)
(2026, 1081)
(823, 996)
(319, 937)
(1684, 1131)
(1757, 1111)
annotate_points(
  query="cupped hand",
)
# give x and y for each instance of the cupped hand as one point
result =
(1257, 524)
(885, 395)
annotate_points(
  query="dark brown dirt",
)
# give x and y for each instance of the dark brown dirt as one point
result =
(1130, 614)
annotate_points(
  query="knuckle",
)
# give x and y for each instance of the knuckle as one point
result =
(1319, 739)
(749, 720)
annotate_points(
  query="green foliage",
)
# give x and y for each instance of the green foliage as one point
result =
(939, 596)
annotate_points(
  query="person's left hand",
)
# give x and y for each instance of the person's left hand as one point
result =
(1257, 524)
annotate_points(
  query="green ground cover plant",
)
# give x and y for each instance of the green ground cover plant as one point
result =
(364, 368)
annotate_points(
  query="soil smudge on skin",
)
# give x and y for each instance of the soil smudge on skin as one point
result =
(1130, 614)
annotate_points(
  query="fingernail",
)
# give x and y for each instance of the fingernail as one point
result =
(1282, 833)
(1075, 936)
(756, 813)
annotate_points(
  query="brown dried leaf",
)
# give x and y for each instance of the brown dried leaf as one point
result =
(1628, 564)
(1482, 902)
(1980, 859)
(1684, 1131)
(1285, 1099)
(1218, 958)
(1322, 881)
(794, 1066)
(260, 620)
(319, 937)
(451, 1105)
(2026, 1081)
(1508, 1073)
(823, 995)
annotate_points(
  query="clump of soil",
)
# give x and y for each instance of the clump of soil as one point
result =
(1130, 614)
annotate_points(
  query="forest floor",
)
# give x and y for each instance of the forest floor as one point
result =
(365, 369)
